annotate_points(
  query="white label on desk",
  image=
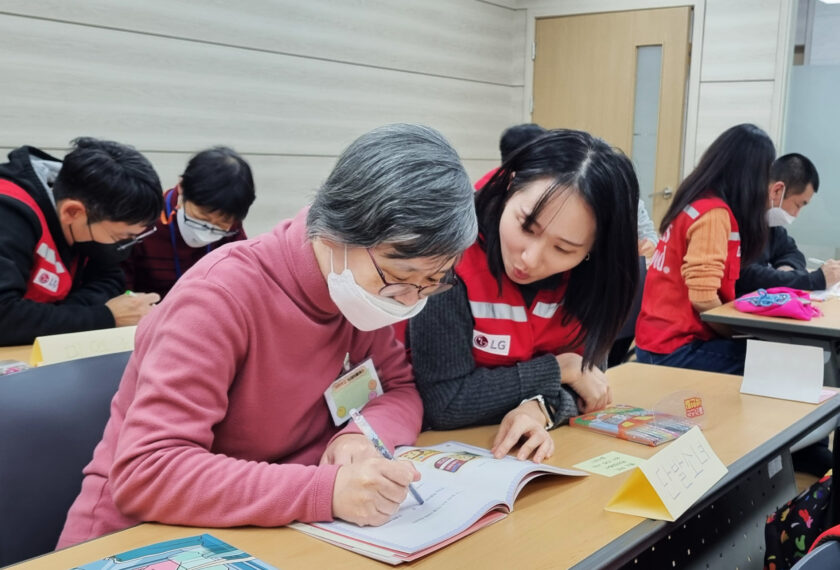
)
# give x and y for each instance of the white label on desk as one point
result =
(69, 346)
(774, 466)
(781, 370)
(668, 483)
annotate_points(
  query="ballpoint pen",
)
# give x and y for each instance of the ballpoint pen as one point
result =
(377, 443)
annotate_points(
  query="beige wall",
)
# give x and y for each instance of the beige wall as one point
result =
(287, 83)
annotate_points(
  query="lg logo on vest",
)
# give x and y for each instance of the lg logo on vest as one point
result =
(492, 343)
(658, 260)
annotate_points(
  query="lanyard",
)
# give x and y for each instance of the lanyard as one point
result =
(172, 222)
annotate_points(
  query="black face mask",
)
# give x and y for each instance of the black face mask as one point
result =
(104, 253)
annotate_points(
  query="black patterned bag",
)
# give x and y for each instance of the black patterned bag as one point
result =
(792, 529)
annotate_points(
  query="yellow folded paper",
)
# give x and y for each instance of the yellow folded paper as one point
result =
(61, 347)
(668, 483)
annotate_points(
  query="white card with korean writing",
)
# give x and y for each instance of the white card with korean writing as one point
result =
(672, 480)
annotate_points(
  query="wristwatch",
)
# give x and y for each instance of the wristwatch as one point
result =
(549, 419)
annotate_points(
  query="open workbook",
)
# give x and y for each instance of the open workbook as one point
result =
(464, 488)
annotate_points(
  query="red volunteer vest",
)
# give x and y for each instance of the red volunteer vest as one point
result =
(667, 320)
(50, 280)
(505, 330)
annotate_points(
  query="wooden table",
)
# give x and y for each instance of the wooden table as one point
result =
(557, 522)
(22, 353)
(821, 331)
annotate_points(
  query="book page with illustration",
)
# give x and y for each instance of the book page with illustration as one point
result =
(459, 484)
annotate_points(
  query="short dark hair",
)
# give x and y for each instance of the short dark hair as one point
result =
(736, 169)
(796, 171)
(113, 181)
(600, 291)
(516, 136)
(220, 180)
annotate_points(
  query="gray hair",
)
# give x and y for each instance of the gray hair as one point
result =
(399, 184)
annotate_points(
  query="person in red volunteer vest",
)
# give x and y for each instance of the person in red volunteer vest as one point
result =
(540, 298)
(203, 212)
(715, 223)
(64, 228)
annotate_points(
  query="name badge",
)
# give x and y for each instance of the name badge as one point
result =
(352, 390)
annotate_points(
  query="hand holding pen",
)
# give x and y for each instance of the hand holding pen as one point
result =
(369, 489)
(368, 432)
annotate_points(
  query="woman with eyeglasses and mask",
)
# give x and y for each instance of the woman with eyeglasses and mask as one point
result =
(203, 212)
(541, 295)
(221, 418)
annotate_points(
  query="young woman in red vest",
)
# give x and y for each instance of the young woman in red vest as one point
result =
(540, 297)
(716, 220)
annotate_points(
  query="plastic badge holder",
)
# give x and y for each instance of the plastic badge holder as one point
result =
(688, 404)
(12, 366)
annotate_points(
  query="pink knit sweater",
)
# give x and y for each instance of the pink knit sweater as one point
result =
(220, 418)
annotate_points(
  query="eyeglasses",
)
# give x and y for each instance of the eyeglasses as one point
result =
(397, 289)
(199, 225)
(127, 243)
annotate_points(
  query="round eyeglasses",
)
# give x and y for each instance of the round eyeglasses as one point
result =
(397, 289)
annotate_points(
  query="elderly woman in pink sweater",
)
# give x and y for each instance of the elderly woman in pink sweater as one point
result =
(221, 419)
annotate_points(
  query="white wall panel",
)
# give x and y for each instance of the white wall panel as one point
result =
(824, 48)
(169, 94)
(723, 105)
(740, 40)
(284, 184)
(465, 38)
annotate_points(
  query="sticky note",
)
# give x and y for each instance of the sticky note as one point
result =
(610, 464)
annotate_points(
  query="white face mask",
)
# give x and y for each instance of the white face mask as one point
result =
(365, 311)
(195, 237)
(778, 216)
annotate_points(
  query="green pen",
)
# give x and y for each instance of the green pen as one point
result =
(129, 292)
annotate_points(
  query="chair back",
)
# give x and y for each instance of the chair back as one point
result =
(629, 328)
(51, 418)
(824, 557)
(620, 351)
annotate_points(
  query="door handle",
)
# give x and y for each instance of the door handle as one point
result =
(666, 193)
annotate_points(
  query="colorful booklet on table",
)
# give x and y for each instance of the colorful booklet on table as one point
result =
(464, 488)
(195, 552)
(634, 424)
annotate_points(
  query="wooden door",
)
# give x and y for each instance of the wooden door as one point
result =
(585, 77)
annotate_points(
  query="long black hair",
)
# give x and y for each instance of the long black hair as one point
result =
(600, 290)
(736, 169)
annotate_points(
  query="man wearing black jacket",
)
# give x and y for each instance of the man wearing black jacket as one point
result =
(64, 228)
(793, 182)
